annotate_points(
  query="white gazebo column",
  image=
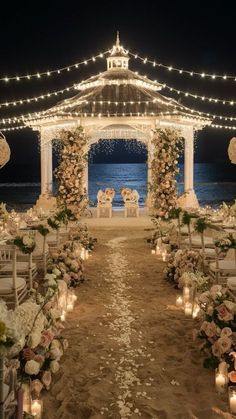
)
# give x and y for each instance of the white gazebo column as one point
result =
(189, 200)
(49, 168)
(46, 201)
(149, 172)
(44, 166)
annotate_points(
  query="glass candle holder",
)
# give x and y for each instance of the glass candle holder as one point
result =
(186, 294)
(221, 381)
(158, 250)
(153, 251)
(179, 301)
(196, 309)
(188, 309)
(37, 409)
(164, 255)
(232, 399)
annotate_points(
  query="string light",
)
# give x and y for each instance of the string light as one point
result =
(184, 117)
(199, 97)
(183, 71)
(47, 73)
(43, 96)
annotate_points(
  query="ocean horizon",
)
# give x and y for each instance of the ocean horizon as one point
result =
(214, 183)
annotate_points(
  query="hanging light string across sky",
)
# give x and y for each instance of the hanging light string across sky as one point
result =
(48, 73)
(230, 102)
(43, 96)
(202, 75)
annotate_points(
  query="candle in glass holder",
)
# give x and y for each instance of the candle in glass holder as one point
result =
(188, 309)
(179, 301)
(164, 254)
(221, 381)
(158, 250)
(186, 293)
(232, 399)
(74, 296)
(36, 409)
(153, 251)
(196, 310)
(63, 316)
(26, 398)
(70, 307)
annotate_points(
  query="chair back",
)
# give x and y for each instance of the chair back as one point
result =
(9, 251)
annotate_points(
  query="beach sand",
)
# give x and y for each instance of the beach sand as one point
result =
(131, 352)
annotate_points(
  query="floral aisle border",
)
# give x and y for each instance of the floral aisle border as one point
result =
(167, 146)
(70, 172)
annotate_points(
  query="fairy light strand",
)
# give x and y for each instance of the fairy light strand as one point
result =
(202, 75)
(28, 116)
(48, 73)
(42, 96)
(184, 117)
(199, 97)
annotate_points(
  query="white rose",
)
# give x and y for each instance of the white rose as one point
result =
(56, 272)
(27, 241)
(56, 353)
(48, 277)
(54, 366)
(32, 367)
(52, 283)
(55, 314)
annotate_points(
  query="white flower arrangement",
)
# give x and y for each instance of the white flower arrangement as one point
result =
(10, 329)
(196, 279)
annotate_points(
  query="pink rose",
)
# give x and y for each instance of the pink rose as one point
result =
(232, 376)
(226, 331)
(36, 387)
(216, 350)
(46, 338)
(223, 313)
(209, 328)
(39, 359)
(224, 344)
(28, 354)
(47, 379)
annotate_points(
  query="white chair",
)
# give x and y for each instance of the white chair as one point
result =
(131, 204)
(104, 205)
(221, 269)
(13, 289)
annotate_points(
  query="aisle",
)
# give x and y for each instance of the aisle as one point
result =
(131, 353)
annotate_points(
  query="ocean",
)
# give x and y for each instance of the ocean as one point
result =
(214, 183)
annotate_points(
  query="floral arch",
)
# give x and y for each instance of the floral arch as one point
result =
(88, 134)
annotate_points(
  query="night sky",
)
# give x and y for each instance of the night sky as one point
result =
(37, 36)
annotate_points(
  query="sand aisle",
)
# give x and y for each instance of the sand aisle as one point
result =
(131, 353)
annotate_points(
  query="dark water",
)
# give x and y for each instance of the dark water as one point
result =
(214, 183)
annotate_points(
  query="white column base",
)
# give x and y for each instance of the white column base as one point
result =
(188, 200)
(46, 202)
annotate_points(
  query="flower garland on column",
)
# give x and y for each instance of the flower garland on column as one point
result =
(164, 166)
(70, 172)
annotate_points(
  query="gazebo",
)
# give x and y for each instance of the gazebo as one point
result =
(118, 104)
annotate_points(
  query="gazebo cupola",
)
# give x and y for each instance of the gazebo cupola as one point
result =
(118, 58)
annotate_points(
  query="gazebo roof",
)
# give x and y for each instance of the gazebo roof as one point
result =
(118, 91)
